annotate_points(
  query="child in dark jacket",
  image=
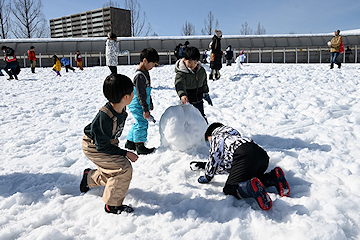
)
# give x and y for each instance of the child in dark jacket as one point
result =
(100, 145)
(191, 80)
(142, 103)
(246, 163)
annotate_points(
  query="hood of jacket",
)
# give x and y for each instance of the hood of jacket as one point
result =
(181, 67)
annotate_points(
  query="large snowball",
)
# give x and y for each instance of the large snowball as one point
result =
(182, 127)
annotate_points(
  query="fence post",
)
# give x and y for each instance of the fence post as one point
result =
(355, 53)
(344, 56)
(320, 54)
(259, 55)
(129, 58)
(86, 59)
(100, 59)
(284, 56)
(40, 59)
(169, 57)
(272, 55)
(71, 59)
(24, 61)
(296, 55)
(308, 49)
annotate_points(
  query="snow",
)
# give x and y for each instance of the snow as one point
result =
(305, 116)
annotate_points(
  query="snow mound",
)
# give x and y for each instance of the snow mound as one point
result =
(182, 127)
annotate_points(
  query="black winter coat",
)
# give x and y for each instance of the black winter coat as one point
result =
(216, 63)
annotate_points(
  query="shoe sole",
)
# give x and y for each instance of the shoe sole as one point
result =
(86, 172)
(283, 184)
(260, 195)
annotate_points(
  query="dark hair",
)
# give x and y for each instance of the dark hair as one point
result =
(191, 53)
(32, 47)
(116, 86)
(150, 54)
(3, 47)
(186, 43)
(211, 128)
(54, 56)
(112, 36)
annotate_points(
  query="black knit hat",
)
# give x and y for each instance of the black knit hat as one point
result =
(211, 128)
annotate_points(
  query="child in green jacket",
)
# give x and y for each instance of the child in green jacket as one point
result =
(100, 145)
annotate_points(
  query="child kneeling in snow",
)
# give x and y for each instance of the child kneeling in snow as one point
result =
(246, 163)
(100, 145)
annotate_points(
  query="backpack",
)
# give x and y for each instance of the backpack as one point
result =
(341, 48)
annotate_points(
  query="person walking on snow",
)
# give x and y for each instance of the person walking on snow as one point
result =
(32, 58)
(246, 163)
(334, 45)
(112, 52)
(216, 55)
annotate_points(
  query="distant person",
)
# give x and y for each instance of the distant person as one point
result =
(112, 52)
(182, 48)
(241, 58)
(348, 52)
(246, 163)
(334, 45)
(229, 55)
(191, 80)
(66, 63)
(12, 67)
(205, 56)
(100, 145)
(32, 58)
(57, 65)
(216, 55)
(78, 59)
(142, 104)
(176, 51)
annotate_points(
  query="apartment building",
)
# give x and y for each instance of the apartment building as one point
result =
(94, 23)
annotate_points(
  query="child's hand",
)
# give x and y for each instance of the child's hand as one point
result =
(132, 156)
(184, 99)
(146, 115)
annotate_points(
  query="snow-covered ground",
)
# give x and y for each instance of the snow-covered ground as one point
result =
(307, 117)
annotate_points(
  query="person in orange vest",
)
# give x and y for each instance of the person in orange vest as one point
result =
(32, 58)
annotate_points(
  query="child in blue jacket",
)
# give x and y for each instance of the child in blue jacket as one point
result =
(142, 104)
(66, 63)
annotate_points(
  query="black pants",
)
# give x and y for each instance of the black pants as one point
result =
(67, 67)
(249, 161)
(113, 69)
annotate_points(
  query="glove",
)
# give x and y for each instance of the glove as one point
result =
(202, 179)
(197, 165)
(208, 99)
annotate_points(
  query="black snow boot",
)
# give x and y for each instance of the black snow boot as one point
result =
(331, 65)
(142, 150)
(255, 189)
(339, 65)
(130, 145)
(33, 70)
(276, 178)
(118, 209)
(83, 185)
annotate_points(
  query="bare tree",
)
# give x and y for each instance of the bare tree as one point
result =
(188, 29)
(138, 19)
(245, 29)
(29, 19)
(4, 19)
(260, 30)
(111, 4)
(209, 24)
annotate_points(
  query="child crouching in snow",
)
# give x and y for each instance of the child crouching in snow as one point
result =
(57, 65)
(246, 163)
(100, 145)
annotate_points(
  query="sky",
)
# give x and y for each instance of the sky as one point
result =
(167, 18)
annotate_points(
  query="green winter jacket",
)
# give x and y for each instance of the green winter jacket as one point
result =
(100, 130)
(192, 84)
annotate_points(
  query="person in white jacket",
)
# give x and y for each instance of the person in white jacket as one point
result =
(112, 52)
